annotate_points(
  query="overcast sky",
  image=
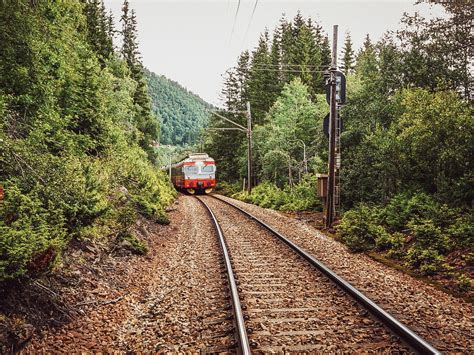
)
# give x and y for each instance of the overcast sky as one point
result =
(192, 41)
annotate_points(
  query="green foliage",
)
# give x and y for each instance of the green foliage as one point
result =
(427, 235)
(228, 189)
(27, 230)
(426, 260)
(465, 283)
(407, 145)
(462, 230)
(413, 228)
(302, 197)
(279, 78)
(70, 136)
(183, 114)
(359, 229)
(348, 55)
(132, 243)
(403, 207)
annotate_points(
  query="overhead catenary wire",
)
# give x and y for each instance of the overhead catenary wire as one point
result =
(287, 70)
(235, 20)
(250, 21)
(291, 65)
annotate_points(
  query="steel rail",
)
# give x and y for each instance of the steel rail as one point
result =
(405, 333)
(242, 338)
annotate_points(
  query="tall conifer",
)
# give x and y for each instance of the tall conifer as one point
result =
(347, 55)
(145, 120)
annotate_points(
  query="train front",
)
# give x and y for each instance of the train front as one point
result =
(200, 175)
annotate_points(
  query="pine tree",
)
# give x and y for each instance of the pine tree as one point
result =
(275, 64)
(347, 55)
(366, 61)
(98, 34)
(316, 58)
(106, 31)
(145, 120)
(129, 49)
(242, 73)
(326, 52)
(260, 79)
(111, 27)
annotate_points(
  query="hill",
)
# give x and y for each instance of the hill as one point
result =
(182, 112)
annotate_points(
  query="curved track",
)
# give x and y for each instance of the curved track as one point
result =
(286, 300)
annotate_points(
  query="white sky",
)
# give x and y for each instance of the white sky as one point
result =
(190, 41)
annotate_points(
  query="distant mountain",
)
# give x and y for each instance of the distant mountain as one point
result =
(182, 113)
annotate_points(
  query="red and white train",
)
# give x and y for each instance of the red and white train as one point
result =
(195, 174)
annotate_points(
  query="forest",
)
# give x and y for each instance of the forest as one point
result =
(407, 145)
(76, 133)
(182, 114)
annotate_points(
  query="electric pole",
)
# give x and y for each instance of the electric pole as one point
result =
(330, 205)
(248, 131)
(249, 152)
(169, 166)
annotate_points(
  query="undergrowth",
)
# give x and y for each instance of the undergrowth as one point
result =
(414, 229)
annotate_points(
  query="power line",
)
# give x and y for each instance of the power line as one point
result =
(287, 70)
(235, 20)
(293, 65)
(250, 21)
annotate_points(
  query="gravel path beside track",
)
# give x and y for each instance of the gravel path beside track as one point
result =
(174, 299)
(186, 309)
(291, 306)
(443, 320)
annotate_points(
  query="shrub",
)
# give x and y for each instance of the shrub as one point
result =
(359, 229)
(393, 242)
(403, 207)
(31, 235)
(301, 197)
(132, 243)
(465, 283)
(427, 235)
(462, 230)
(426, 260)
(228, 189)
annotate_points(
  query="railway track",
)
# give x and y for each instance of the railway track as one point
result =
(284, 300)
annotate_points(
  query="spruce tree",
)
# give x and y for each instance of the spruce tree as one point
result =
(242, 73)
(97, 31)
(275, 64)
(145, 120)
(347, 55)
(326, 52)
(316, 58)
(260, 79)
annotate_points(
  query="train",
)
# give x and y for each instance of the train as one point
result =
(196, 174)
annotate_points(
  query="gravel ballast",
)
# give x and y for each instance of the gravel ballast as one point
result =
(291, 306)
(443, 320)
(172, 300)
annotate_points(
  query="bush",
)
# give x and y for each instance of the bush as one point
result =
(428, 236)
(31, 235)
(462, 230)
(301, 197)
(228, 189)
(52, 199)
(392, 242)
(359, 229)
(403, 207)
(426, 260)
(132, 243)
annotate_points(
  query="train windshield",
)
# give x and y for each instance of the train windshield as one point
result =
(207, 169)
(191, 169)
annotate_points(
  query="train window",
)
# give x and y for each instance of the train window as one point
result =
(191, 169)
(207, 169)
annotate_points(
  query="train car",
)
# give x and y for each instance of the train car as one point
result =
(196, 174)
